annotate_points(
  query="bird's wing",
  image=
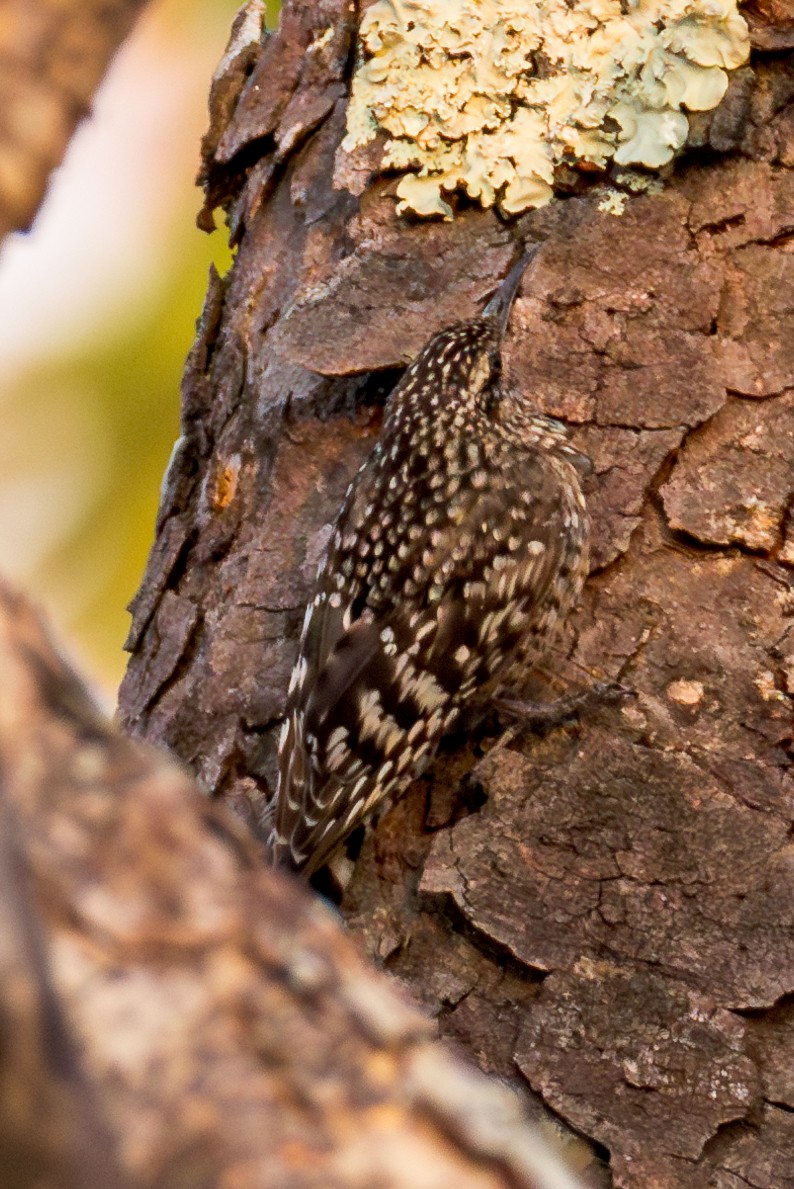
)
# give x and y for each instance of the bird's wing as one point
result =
(375, 688)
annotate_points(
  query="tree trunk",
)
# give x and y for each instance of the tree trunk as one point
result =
(604, 915)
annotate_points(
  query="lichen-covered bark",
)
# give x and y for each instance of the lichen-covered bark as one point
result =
(605, 914)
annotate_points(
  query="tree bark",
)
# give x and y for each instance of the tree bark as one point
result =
(606, 914)
(53, 56)
(173, 1013)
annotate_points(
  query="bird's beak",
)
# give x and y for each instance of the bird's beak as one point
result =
(501, 303)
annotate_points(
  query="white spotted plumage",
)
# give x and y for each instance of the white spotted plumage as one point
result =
(460, 544)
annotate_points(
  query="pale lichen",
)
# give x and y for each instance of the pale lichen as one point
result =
(490, 96)
(686, 693)
(612, 202)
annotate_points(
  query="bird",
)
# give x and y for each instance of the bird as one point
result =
(460, 547)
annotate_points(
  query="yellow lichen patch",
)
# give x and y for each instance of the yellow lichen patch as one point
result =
(686, 693)
(223, 486)
(489, 96)
(765, 684)
(754, 522)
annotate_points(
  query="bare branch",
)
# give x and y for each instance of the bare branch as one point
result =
(53, 57)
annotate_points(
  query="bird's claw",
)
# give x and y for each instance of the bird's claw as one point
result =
(551, 714)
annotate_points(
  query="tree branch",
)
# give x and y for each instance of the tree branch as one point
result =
(53, 57)
(226, 1027)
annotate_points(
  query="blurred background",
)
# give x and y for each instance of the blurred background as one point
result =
(99, 302)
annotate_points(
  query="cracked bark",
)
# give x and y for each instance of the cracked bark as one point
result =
(605, 915)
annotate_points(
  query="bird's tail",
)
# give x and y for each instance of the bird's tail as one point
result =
(294, 786)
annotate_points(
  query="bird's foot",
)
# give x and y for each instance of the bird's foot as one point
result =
(546, 715)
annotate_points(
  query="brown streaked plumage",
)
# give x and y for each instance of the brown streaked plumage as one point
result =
(460, 545)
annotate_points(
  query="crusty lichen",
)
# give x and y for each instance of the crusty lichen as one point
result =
(612, 202)
(491, 95)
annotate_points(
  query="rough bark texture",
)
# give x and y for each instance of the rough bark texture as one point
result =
(53, 56)
(607, 913)
(173, 1014)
